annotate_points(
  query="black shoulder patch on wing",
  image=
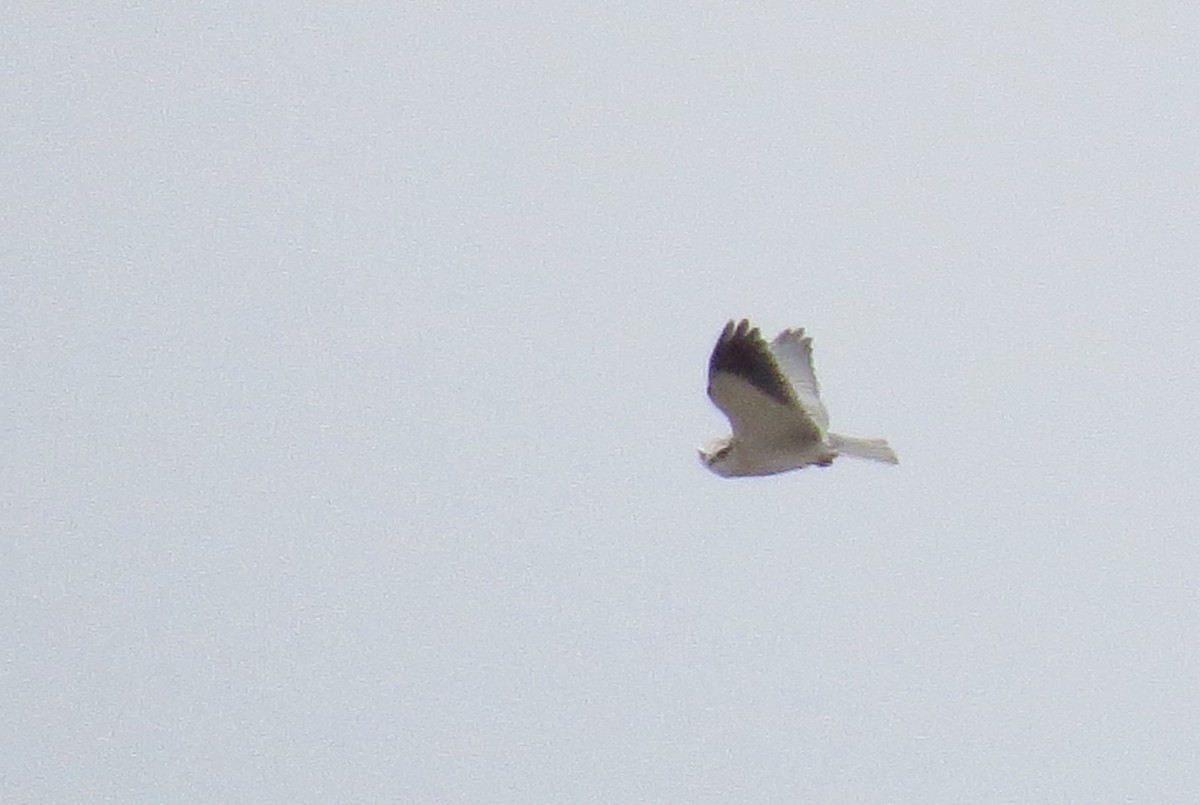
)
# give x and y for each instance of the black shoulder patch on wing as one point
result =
(741, 351)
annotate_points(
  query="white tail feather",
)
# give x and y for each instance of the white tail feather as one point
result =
(870, 449)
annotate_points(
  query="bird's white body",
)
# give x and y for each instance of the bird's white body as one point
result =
(738, 461)
(771, 396)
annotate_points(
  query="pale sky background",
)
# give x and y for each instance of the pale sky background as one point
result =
(353, 371)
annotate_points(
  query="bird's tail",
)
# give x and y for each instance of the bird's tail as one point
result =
(870, 449)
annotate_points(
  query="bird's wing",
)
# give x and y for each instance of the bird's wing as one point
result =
(792, 350)
(746, 383)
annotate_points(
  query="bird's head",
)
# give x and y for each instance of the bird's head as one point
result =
(714, 455)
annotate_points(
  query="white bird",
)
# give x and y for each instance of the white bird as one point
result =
(774, 406)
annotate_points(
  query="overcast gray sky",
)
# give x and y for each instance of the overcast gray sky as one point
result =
(354, 366)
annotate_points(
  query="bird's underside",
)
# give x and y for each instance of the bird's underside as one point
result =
(770, 394)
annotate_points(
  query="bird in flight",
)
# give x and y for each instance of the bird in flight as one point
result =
(770, 395)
